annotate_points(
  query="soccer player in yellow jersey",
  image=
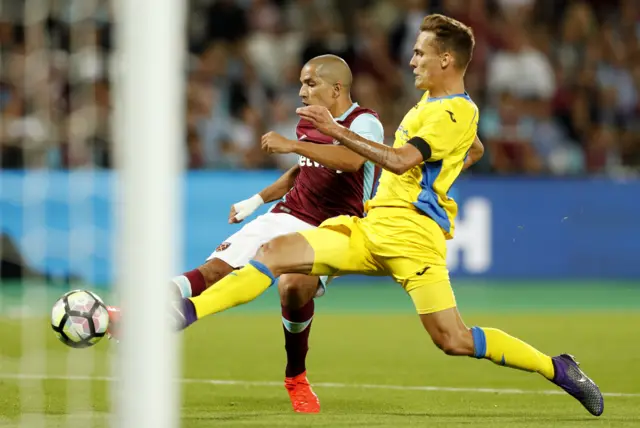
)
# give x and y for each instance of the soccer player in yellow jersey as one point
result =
(408, 221)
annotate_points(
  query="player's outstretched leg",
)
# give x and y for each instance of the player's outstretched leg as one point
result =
(285, 254)
(451, 335)
(189, 284)
(193, 283)
(296, 297)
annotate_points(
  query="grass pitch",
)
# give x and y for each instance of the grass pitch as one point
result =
(370, 360)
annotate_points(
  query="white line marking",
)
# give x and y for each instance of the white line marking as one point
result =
(512, 391)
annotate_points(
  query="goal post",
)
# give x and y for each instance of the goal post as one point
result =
(149, 122)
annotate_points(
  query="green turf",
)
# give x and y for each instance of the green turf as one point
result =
(381, 343)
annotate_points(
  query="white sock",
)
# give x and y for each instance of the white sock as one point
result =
(295, 327)
(183, 284)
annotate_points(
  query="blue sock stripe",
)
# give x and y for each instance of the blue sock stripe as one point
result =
(479, 342)
(262, 268)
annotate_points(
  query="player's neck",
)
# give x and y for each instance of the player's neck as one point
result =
(340, 107)
(447, 88)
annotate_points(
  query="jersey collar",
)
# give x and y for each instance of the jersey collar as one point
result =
(448, 97)
(347, 113)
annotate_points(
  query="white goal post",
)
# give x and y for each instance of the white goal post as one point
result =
(149, 130)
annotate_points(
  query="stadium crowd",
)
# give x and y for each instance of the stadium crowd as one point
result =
(557, 81)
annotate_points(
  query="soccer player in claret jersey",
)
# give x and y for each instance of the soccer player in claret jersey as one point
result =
(329, 180)
(409, 220)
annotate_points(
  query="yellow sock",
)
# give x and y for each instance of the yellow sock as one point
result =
(240, 286)
(505, 350)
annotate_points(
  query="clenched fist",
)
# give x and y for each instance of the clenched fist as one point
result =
(272, 142)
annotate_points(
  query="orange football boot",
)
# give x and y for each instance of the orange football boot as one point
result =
(303, 399)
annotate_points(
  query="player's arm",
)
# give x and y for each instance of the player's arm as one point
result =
(396, 160)
(335, 157)
(331, 156)
(279, 188)
(475, 153)
(366, 126)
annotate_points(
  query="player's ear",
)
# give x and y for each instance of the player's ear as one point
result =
(445, 60)
(336, 90)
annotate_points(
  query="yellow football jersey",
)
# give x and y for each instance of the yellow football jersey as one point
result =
(449, 125)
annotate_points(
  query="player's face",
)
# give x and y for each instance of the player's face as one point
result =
(428, 62)
(314, 90)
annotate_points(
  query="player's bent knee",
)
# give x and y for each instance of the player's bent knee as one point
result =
(270, 253)
(296, 290)
(291, 291)
(214, 270)
(286, 254)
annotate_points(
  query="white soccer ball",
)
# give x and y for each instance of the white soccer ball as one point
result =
(79, 319)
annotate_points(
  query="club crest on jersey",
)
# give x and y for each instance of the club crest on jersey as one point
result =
(404, 134)
(223, 246)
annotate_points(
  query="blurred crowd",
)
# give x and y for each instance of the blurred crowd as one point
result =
(557, 81)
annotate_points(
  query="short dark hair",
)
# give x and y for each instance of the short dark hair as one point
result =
(452, 36)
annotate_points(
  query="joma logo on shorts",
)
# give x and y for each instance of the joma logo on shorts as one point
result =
(421, 272)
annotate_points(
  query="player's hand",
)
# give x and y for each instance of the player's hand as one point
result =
(320, 118)
(232, 215)
(243, 209)
(272, 142)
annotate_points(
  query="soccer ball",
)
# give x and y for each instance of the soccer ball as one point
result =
(79, 319)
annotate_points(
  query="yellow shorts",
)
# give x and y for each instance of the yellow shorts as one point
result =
(397, 242)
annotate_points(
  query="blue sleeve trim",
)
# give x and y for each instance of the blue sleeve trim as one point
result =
(367, 126)
(479, 342)
(262, 268)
